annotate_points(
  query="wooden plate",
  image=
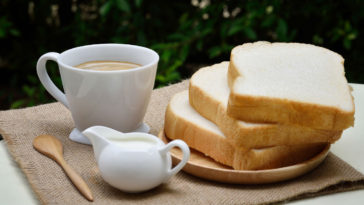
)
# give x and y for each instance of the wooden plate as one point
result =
(204, 167)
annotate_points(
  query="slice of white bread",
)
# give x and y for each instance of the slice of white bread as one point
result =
(183, 122)
(290, 83)
(208, 95)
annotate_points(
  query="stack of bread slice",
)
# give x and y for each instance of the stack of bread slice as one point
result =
(272, 105)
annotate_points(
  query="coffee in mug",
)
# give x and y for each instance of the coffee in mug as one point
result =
(107, 65)
(111, 97)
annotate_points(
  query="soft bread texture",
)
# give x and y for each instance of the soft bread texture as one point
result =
(289, 83)
(183, 122)
(208, 95)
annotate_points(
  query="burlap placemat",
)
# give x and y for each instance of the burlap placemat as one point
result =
(48, 181)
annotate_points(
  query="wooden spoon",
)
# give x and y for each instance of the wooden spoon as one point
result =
(52, 148)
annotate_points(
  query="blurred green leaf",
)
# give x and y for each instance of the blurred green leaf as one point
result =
(181, 33)
(123, 5)
(250, 33)
(184, 52)
(138, 3)
(166, 55)
(347, 44)
(224, 30)
(176, 36)
(2, 33)
(234, 29)
(28, 90)
(268, 21)
(183, 18)
(352, 36)
(317, 40)
(14, 32)
(214, 51)
(6, 27)
(105, 9)
(206, 31)
(282, 30)
(32, 79)
(142, 39)
(17, 104)
(199, 45)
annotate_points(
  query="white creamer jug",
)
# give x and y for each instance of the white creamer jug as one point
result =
(133, 162)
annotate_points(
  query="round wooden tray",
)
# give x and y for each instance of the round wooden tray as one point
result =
(204, 167)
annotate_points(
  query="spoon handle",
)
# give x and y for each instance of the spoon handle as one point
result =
(77, 180)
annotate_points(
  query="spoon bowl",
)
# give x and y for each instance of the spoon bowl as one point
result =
(51, 147)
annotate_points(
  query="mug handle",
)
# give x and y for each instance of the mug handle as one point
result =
(45, 79)
(186, 155)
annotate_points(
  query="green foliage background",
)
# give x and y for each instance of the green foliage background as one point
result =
(186, 34)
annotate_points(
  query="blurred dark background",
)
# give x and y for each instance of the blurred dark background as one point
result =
(186, 34)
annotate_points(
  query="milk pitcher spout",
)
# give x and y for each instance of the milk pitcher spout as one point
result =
(96, 135)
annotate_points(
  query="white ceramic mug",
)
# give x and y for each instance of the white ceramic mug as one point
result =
(116, 99)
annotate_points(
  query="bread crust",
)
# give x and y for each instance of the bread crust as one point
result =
(263, 109)
(221, 150)
(198, 138)
(268, 134)
(267, 109)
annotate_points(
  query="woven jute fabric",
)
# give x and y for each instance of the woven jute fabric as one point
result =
(20, 127)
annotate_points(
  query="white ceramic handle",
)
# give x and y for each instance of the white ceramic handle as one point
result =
(186, 155)
(46, 81)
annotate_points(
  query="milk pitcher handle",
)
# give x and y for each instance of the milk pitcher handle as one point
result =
(45, 79)
(186, 155)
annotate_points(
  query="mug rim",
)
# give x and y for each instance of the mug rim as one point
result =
(153, 62)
